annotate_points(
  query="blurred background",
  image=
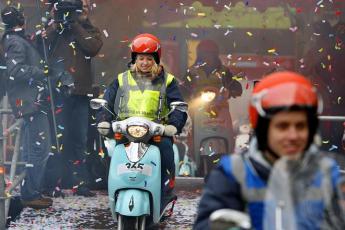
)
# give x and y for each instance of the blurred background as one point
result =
(254, 37)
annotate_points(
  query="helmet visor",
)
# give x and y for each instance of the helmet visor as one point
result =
(286, 96)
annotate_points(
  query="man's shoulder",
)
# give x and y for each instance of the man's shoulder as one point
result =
(13, 41)
(13, 38)
(228, 161)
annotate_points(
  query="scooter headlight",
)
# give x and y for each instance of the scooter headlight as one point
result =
(208, 96)
(137, 131)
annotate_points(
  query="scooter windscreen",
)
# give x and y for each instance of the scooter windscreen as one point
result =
(135, 151)
(285, 96)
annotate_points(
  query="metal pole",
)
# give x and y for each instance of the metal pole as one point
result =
(332, 118)
(17, 181)
(4, 123)
(15, 155)
(2, 183)
(13, 166)
(52, 104)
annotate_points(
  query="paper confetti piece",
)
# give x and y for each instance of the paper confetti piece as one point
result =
(249, 34)
(333, 147)
(271, 50)
(105, 33)
(194, 35)
(216, 161)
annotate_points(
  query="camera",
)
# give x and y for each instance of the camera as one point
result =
(67, 11)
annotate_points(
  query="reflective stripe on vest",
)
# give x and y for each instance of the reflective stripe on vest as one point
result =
(252, 186)
(137, 103)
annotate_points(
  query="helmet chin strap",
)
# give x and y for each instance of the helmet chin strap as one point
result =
(272, 155)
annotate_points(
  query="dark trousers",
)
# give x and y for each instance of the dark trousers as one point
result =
(68, 167)
(36, 144)
(167, 162)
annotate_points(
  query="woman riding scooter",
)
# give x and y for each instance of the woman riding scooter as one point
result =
(146, 90)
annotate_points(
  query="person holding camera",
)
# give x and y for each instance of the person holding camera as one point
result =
(25, 86)
(73, 40)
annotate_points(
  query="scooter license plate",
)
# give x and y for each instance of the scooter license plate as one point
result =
(134, 167)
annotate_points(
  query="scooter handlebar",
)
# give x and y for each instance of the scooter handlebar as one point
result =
(153, 128)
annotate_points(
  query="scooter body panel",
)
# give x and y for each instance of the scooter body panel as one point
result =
(176, 159)
(133, 202)
(144, 176)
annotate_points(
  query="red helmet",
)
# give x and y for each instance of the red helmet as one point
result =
(146, 44)
(281, 90)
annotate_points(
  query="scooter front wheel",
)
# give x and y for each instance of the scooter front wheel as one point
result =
(131, 222)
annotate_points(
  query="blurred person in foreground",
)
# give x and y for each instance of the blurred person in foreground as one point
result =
(283, 169)
(72, 42)
(26, 84)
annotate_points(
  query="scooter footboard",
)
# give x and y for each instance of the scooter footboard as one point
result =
(133, 202)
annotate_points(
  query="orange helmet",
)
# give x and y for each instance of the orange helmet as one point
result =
(282, 91)
(146, 44)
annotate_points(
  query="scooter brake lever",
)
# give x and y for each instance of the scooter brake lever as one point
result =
(158, 130)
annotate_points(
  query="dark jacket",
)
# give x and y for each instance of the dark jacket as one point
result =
(199, 77)
(176, 118)
(220, 192)
(75, 47)
(25, 75)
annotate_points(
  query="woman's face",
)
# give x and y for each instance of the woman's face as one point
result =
(145, 62)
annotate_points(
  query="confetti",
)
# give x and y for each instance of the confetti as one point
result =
(194, 35)
(227, 32)
(271, 50)
(249, 34)
(105, 33)
(333, 147)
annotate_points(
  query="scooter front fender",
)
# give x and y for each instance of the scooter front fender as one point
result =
(133, 202)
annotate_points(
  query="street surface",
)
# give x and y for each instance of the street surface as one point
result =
(76, 212)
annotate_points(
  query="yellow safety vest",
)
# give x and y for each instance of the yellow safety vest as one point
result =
(137, 103)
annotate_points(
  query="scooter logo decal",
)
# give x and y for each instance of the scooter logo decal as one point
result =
(131, 204)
